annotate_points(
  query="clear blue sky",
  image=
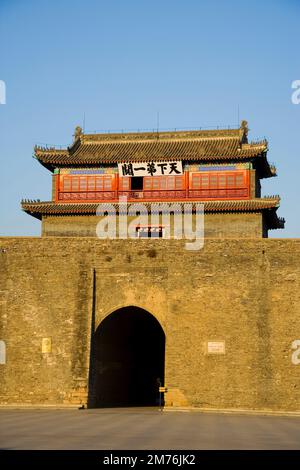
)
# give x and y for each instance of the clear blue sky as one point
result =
(120, 62)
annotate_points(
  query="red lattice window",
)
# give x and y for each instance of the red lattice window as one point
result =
(223, 184)
(124, 184)
(214, 180)
(163, 182)
(87, 183)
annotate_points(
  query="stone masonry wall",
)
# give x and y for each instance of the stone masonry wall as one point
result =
(243, 292)
(219, 225)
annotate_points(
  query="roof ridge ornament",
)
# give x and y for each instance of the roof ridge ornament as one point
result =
(77, 133)
(244, 131)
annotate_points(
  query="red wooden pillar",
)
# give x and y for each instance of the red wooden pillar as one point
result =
(186, 183)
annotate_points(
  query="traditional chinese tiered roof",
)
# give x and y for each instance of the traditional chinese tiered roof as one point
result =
(269, 205)
(215, 146)
(210, 147)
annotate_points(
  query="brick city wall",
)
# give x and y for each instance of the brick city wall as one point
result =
(245, 293)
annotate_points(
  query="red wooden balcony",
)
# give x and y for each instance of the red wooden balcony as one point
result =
(194, 186)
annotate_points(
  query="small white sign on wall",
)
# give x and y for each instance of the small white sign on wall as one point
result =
(215, 347)
(296, 353)
(46, 345)
(2, 352)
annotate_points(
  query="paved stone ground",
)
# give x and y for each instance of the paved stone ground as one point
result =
(144, 429)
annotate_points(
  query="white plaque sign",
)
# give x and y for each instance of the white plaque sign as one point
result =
(150, 169)
(215, 347)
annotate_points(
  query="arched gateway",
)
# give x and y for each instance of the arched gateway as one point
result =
(128, 356)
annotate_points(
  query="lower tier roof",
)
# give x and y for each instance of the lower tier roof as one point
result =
(268, 205)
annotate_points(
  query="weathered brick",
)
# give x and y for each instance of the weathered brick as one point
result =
(245, 292)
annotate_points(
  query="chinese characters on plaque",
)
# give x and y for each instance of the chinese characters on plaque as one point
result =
(150, 169)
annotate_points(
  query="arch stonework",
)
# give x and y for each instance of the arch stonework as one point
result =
(136, 364)
(158, 318)
(175, 396)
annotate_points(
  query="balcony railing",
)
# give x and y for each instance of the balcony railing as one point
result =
(144, 195)
(159, 194)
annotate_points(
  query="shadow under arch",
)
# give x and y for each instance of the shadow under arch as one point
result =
(127, 359)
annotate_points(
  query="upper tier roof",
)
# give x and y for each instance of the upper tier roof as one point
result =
(202, 145)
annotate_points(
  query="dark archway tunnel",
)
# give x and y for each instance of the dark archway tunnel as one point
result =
(128, 359)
